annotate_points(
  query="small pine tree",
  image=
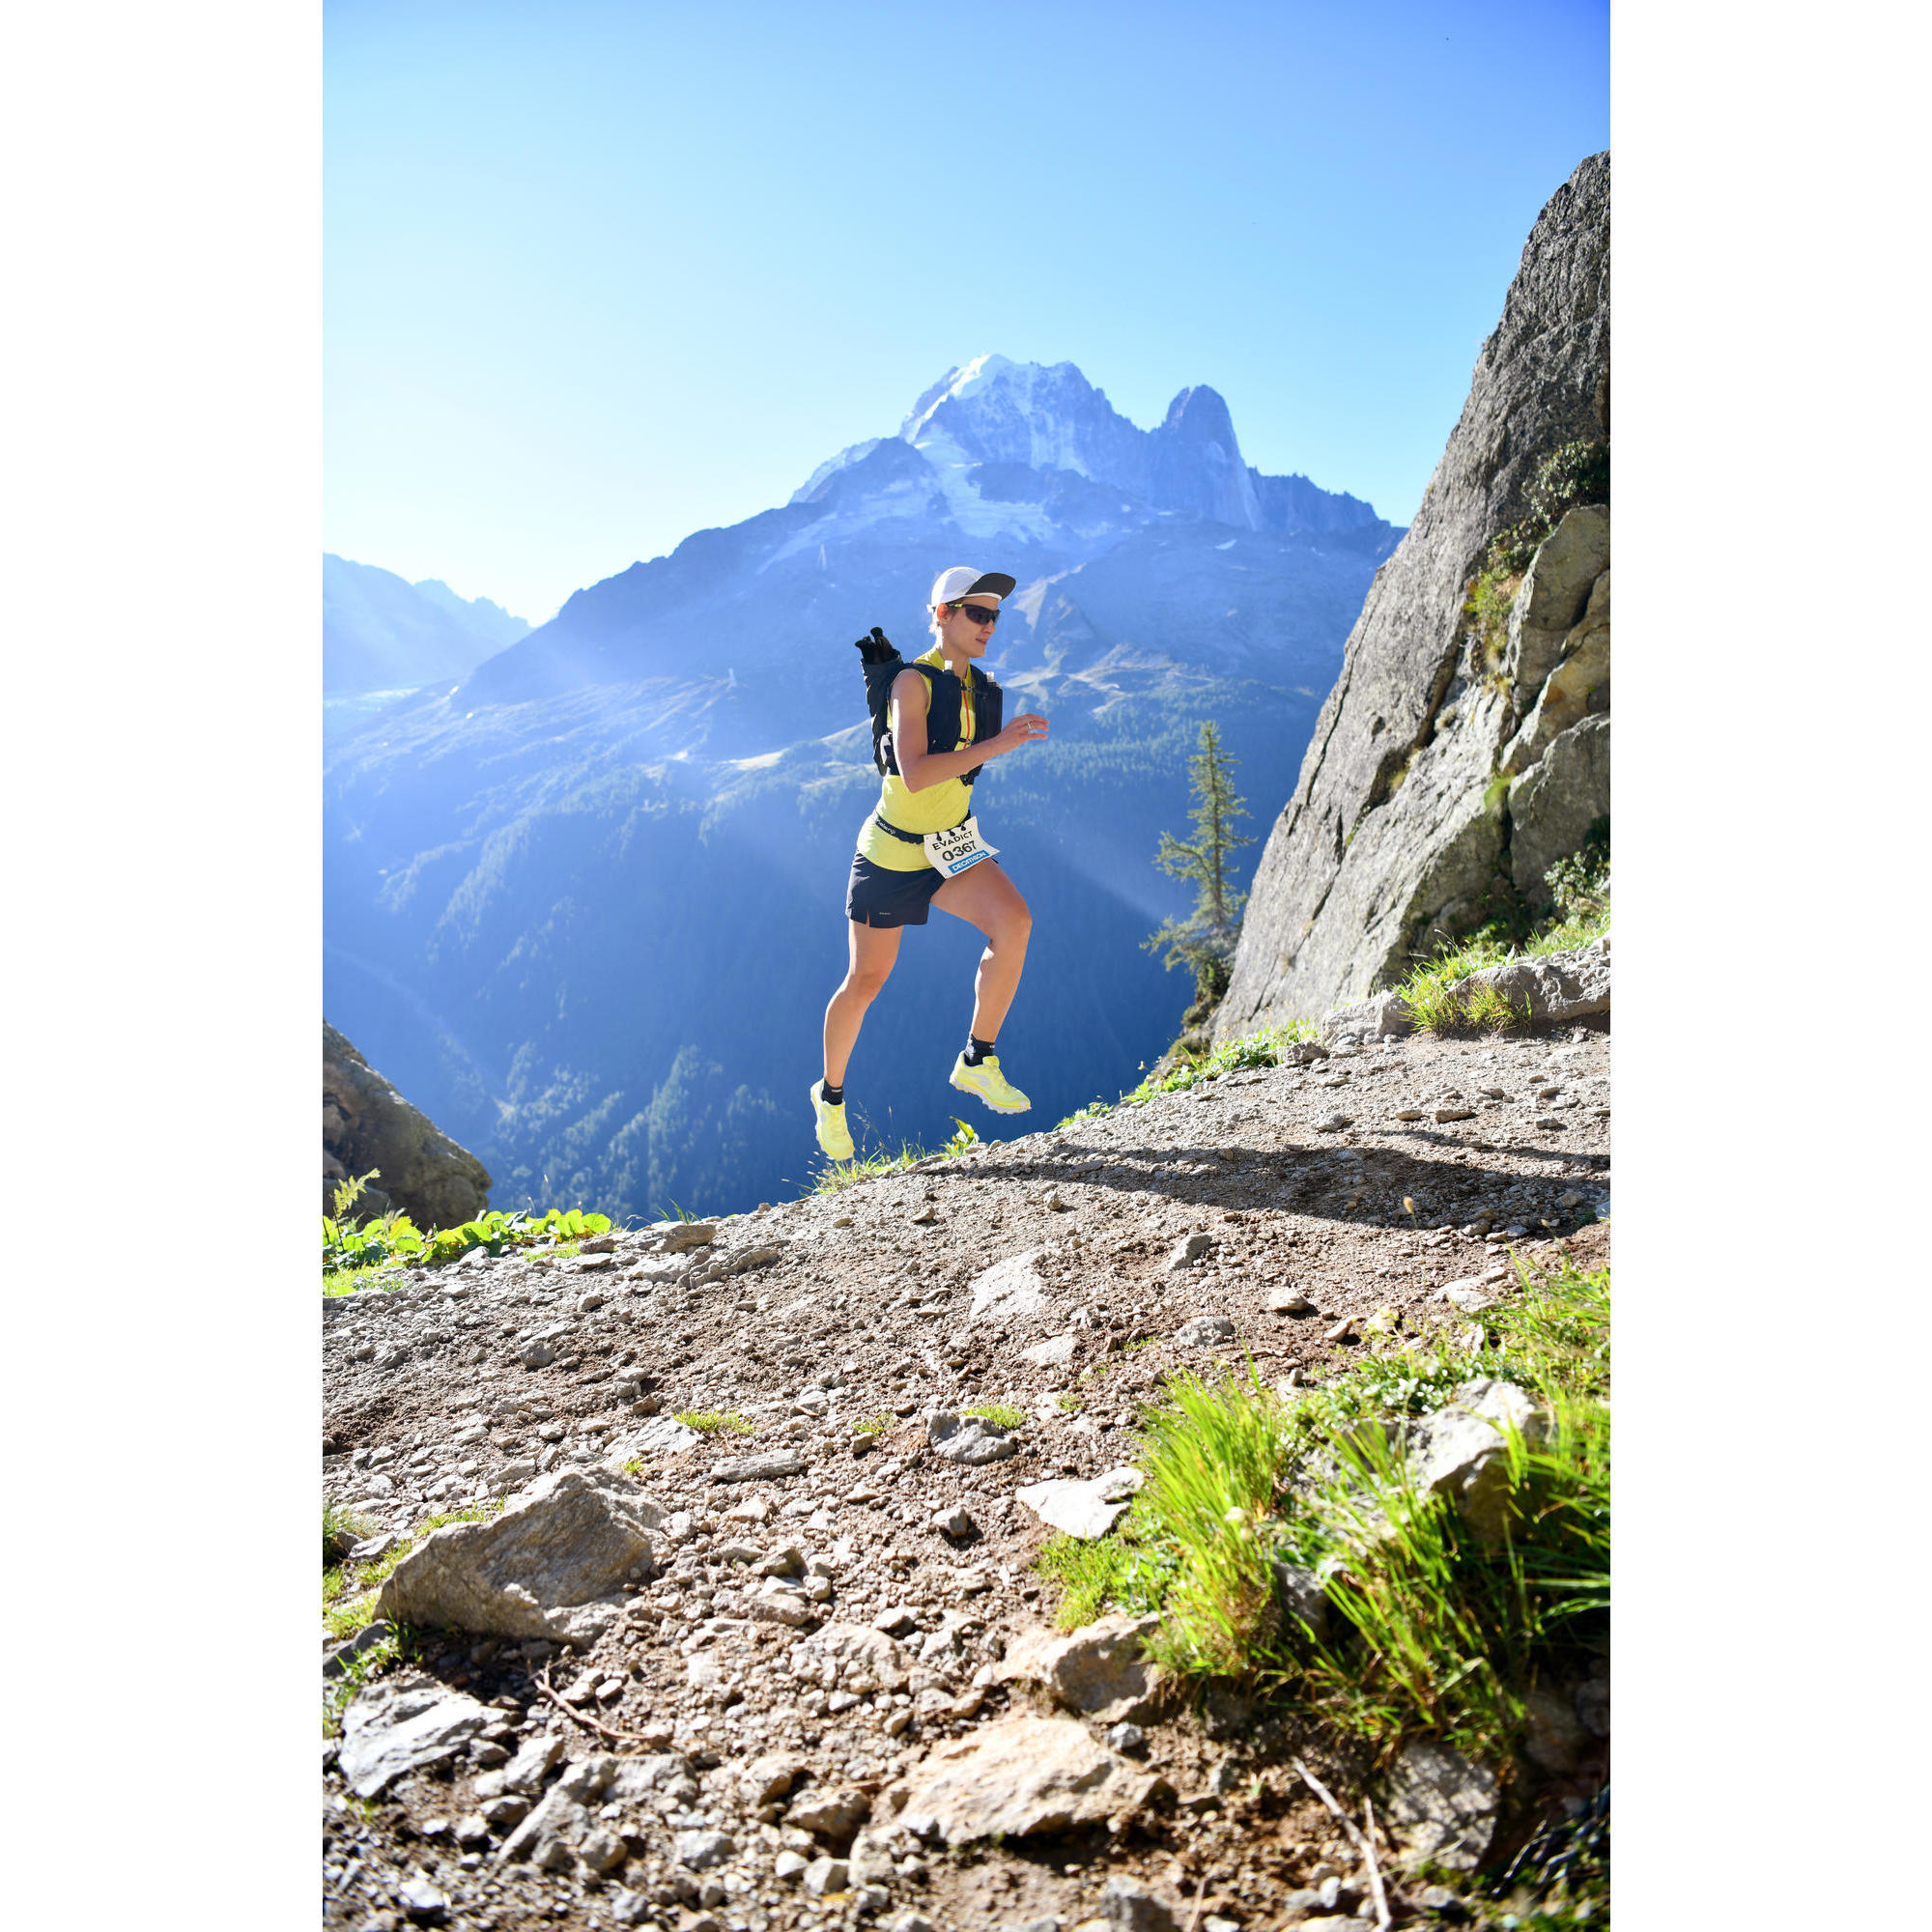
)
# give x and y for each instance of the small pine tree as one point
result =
(1204, 941)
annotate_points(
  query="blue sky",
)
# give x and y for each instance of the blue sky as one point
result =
(596, 276)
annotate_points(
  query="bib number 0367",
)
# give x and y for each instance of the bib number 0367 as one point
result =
(957, 850)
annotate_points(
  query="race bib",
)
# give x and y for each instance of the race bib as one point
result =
(955, 851)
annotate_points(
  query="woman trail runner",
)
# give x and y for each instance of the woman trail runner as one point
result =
(921, 847)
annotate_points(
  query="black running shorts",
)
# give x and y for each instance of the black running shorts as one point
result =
(879, 897)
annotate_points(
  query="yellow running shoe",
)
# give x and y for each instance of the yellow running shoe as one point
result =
(833, 1136)
(989, 1084)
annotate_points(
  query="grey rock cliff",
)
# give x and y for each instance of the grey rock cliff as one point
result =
(1434, 780)
(366, 1124)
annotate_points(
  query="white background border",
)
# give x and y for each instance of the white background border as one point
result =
(161, 596)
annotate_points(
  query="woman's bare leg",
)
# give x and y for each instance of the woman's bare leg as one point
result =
(874, 950)
(987, 898)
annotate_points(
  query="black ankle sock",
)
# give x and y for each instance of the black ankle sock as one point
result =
(832, 1097)
(977, 1049)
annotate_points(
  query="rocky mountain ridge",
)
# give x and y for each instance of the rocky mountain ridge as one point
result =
(1454, 762)
(803, 1676)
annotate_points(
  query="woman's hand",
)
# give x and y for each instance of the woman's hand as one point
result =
(1027, 730)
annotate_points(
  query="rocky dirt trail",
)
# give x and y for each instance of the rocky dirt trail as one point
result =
(806, 1676)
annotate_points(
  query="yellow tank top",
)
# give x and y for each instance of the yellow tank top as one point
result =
(936, 809)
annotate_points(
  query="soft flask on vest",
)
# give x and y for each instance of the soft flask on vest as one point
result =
(944, 693)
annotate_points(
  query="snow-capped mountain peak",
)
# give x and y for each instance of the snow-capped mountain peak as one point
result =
(993, 410)
(1012, 449)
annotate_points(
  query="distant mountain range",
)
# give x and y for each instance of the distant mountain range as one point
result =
(380, 633)
(586, 908)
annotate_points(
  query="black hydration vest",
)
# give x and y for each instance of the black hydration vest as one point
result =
(944, 693)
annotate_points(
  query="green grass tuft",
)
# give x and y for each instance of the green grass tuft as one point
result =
(714, 1422)
(356, 1671)
(1000, 1412)
(835, 1175)
(349, 1592)
(341, 1530)
(1429, 1630)
(874, 1424)
(1437, 1632)
(1437, 1004)
(351, 1280)
(1128, 1570)
(1264, 1048)
(1217, 1453)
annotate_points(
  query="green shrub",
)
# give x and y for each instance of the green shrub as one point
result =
(1576, 472)
(1512, 550)
(351, 1250)
(1487, 608)
(1581, 885)
(714, 1422)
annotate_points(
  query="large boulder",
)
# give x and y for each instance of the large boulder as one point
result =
(366, 1124)
(553, 1565)
(1401, 826)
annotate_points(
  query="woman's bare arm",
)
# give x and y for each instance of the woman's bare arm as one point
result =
(923, 769)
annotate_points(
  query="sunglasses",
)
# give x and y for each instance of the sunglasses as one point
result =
(979, 613)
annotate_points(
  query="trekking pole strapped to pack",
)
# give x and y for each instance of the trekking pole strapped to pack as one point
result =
(882, 663)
